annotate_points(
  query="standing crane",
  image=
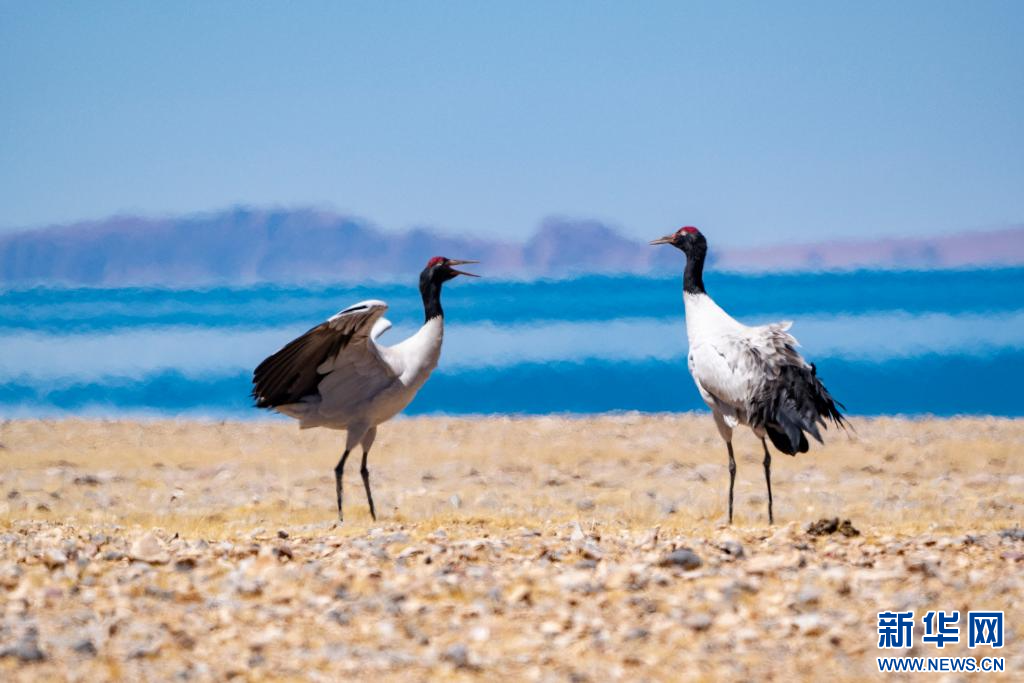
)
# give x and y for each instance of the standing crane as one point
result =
(749, 375)
(337, 376)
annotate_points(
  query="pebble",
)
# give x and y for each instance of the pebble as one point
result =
(54, 558)
(149, 549)
(700, 621)
(732, 548)
(458, 655)
(807, 596)
(809, 624)
(681, 557)
(26, 649)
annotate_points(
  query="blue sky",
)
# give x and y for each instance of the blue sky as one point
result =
(758, 121)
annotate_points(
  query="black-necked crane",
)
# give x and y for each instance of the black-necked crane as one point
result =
(337, 376)
(749, 375)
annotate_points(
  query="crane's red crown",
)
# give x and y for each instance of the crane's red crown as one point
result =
(436, 261)
(689, 230)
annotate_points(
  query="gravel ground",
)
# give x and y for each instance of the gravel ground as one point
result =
(534, 549)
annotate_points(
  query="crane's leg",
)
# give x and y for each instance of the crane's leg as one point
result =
(339, 470)
(365, 471)
(768, 479)
(732, 476)
(726, 431)
(352, 438)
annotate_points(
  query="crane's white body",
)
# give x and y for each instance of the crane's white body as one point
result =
(366, 383)
(730, 362)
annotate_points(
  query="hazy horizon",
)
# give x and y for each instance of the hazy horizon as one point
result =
(754, 241)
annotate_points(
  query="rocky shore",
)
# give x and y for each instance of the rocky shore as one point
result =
(584, 549)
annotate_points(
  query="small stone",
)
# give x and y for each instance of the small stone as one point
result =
(699, 622)
(185, 564)
(144, 649)
(924, 566)
(650, 539)
(807, 596)
(681, 557)
(339, 617)
(550, 628)
(520, 593)
(411, 551)
(585, 504)
(579, 580)
(767, 564)
(54, 558)
(455, 501)
(149, 549)
(458, 655)
(282, 534)
(26, 649)
(809, 624)
(590, 551)
(732, 548)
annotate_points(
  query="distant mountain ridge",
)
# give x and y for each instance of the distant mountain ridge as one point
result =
(242, 246)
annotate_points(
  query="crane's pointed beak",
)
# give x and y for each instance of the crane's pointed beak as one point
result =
(456, 262)
(667, 239)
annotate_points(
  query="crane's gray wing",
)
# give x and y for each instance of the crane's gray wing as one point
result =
(342, 343)
(759, 374)
(731, 370)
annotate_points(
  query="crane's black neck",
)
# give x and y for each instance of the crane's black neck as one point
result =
(430, 290)
(693, 275)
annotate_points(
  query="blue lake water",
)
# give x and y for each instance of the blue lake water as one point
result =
(938, 342)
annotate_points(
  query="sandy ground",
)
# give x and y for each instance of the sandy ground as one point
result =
(584, 549)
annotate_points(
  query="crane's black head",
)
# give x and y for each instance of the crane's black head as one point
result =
(439, 270)
(689, 240)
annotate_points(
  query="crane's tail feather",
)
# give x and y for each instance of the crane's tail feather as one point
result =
(794, 403)
(789, 441)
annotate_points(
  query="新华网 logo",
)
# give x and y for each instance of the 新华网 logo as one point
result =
(980, 629)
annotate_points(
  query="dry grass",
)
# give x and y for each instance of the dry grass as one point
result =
(892, 475)
(914, 486)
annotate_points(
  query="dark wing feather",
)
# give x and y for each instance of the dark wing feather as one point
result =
(794, 402)
(291, 374)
